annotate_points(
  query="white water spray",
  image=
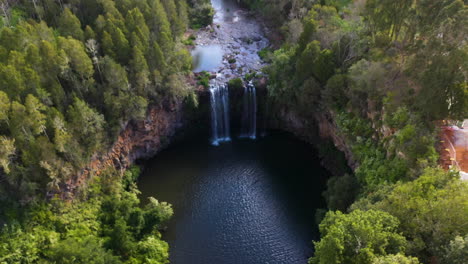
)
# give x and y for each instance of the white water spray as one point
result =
(220, 127)
(249, 115)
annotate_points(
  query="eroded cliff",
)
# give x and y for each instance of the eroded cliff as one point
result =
(139, 140)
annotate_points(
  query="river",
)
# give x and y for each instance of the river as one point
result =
(235, 35)
(248, 201)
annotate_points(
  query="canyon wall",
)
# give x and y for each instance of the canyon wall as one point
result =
(138, 140)
(313, 129)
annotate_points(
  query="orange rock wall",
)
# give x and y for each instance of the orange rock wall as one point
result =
(141, 139)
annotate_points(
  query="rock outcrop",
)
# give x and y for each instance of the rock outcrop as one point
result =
(139, 140)
(313, 129)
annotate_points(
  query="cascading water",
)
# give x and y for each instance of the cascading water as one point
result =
(249, 115)
(219, 95)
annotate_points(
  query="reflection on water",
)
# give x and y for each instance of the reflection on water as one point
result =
(248, 202)
(207, 58)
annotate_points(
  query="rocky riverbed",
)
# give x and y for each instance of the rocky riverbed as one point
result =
(235, 38)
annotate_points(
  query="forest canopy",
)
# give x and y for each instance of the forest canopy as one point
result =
(72, 75)
(385, 73)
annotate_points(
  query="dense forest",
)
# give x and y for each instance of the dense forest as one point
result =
(385, 72)
(74, 73)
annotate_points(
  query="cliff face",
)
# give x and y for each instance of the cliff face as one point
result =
(139, 140)
(313, 129)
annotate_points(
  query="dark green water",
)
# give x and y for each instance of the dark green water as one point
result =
(242, 202)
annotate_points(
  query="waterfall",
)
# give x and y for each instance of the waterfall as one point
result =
(219, 95)
(249, 115)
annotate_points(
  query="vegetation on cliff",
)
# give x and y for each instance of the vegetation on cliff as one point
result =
(385, 72)
(72, 75)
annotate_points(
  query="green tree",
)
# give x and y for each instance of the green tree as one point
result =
(176, 24)
(153, 251)
(9, 39)
(393, 259)
(36, 117)
(357, 237)
(81, 66)
(89, 33)
(156, 214)
(4, 108)
(12, 81)
(81, 250)
(431, 210)
(140, 71)
(70, 25)
(61, 136)
(7, 150)
(19, 122)
(334, 93)
(161, 26)
(182, 11)
(341, 192)
(310, 28)
(157, 61)
(457, 251)
(87, 125)
(305, 63)
(136, 24)
(108, 44)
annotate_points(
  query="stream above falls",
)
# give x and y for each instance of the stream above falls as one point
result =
(234, 36)
(245, 201)
(229, 49)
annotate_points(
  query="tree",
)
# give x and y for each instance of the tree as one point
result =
(36, 117)
(7, 150)
(9, 39)
(121, 241)
(334, 93)
(81, 250)
(12, 81)
(121, 45)
(176, 24)
(306, 60)
(341, 192)
(393, 259)
(61, 136)
(108, 44)
(153, 250)
(156, 214)
(86, 124)
(19, 122)
(140, 71)
(201, 13)
(182, 11)
(357, 237)
(457, 251)
(70, 25)
(89, 33)
(324, 66)
(157, 61)
(80, 64)
(310, 28)
(161, 27)
(4, 107)
(136, 24)
(431, 209)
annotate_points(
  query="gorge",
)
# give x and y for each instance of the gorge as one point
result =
(233, 131)
(232, 200)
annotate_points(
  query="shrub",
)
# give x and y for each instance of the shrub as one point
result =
(236, 83)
